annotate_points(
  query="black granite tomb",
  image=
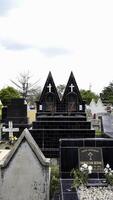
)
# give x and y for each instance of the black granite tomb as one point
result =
(74, 152)
(15, 110)
(60, 118)
(93, 151)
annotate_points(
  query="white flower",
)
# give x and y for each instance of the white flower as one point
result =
(85, 165)
(106, 170)
(81, 169)
(90, 169)
(110, 174)
(107, 166)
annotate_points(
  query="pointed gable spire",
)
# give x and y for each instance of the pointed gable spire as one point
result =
(49, 87)
(72, 87)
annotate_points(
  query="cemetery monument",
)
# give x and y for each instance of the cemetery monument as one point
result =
(59, 118)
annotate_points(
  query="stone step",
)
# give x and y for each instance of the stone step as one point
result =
(61, 113)
(49, 138)
(97, 182)
(61, 118)
(61, 125)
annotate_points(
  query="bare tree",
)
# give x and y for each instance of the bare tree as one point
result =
(26, 88)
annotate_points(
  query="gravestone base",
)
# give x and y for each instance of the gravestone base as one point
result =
(94, 182)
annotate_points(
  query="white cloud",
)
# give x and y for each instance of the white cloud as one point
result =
(60, 36)
(6, 5)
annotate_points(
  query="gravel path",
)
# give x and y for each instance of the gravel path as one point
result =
(95, 193)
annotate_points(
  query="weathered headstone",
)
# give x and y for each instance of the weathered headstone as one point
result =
(107, 125)
(97, 108)
(100, 107)
(24, 173)
(93, 106)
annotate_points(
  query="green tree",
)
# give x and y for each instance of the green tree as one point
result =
(8, 93)
(88, 95)
(107, 93)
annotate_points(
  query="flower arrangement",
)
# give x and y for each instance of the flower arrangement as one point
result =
(81, 175)
(12, 139)
(108, 174)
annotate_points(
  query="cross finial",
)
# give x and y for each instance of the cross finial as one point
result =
(49, 86)
(71, 86)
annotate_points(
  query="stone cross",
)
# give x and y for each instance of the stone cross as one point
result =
(71, 86)
(90, 155)
(49, 86)
(10, 129)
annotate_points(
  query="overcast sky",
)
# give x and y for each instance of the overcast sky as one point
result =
(58, 36)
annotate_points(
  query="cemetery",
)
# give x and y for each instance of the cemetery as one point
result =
(60, 135)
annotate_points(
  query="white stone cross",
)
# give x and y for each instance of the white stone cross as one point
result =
(10, 129)
(71, 86)
(49, 86)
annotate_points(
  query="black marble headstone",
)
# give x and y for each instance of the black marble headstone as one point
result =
(15, 111)
(91, 156)
(76, 152)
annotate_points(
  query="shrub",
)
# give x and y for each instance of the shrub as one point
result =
(54, 182)
(108, 174)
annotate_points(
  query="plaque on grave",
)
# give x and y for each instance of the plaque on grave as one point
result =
(72, 103)
(50, 103)
(93, 157)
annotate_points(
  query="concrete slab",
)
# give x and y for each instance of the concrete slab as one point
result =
(3, 154)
